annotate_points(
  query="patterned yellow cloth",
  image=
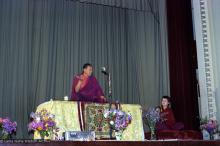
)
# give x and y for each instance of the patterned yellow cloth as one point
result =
(134, 131)
(67, 119)
(66, 115)
(95, 121)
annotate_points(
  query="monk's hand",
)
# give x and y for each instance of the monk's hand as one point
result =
(80, 78)
(78, 85)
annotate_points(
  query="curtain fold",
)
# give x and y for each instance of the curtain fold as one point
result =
(44, 43)
(182, 65)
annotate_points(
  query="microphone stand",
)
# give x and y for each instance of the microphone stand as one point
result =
(109, 97)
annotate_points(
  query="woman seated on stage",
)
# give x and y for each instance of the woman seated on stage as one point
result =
(168, 121)
(86, 88)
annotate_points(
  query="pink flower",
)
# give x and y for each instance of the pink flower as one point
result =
(6, 120)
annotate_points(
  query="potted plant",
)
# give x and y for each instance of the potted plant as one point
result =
(7, 128)
(209, 125)
(44, 123)
(152, 116)
(118, 121)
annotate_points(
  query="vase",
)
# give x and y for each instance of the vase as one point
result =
(205, 134)
(152, 133)
(4, 135)
(118, 135)
(211, 135)
(111, 133)
(46, 137)
(42, 135)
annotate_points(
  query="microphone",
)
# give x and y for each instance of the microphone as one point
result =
(103, 70)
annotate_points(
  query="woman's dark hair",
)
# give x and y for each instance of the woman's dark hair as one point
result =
(87, 65)
(167, 97)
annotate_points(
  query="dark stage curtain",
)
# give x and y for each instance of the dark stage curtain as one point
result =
(182, 62)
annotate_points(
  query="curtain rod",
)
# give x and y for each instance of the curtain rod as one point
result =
(93, 3)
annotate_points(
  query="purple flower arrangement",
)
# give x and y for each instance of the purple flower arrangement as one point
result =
(152, 116)
(117, 119)
(210, 125)
(7, 128)
(43, 122)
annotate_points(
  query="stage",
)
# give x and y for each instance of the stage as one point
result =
(110, 143)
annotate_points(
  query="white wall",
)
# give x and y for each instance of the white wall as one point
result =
(214, 15)
(207, 33)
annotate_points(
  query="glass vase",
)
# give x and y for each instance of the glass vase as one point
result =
(153, 133)
(118, 135)
(4, 135)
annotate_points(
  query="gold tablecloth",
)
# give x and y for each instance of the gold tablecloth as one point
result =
(67, 118)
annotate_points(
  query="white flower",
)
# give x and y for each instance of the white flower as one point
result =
(120, 113)
(111, 122)
(37, 119)
(51, 116)
(106, 115)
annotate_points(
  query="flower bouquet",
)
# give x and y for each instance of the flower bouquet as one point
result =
(152, 116)
(118, 121)
(44, 123)
(210, 125)
(7, 128)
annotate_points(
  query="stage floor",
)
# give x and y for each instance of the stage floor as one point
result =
(110, 143)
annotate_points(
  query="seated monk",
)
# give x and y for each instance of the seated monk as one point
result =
(86, 88)
(168, 121)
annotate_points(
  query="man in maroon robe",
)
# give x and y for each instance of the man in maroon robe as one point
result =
(86, 88)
